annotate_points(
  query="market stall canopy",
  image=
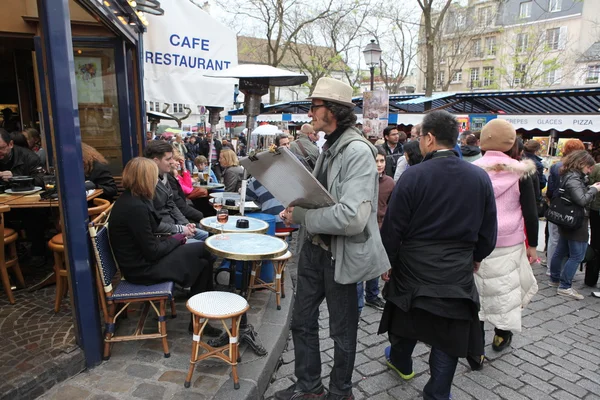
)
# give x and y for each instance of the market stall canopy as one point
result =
(158, 115)
(273, 76)
(177, 55)
(266, 130)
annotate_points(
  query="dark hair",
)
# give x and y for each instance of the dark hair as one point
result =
(443, 126)
(414, 152)
(532, 146)
(279, 137)
(388, 129)
(19, 139)
(381, 151)
(471, 140)
(5, 135)
(33, 134)
(344, 115)
(576, 161)
(401, 137)
(157, 149)
(515, 151)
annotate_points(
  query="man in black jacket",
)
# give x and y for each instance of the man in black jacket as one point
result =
(392, 148)
(211, 149)
(434, 246)
(167, 202)
(19, 161)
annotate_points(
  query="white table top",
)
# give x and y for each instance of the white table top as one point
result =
(246, 246)
(255, 225)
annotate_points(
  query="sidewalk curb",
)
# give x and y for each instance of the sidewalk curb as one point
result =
(255, 372)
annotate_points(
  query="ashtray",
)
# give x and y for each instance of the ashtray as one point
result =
(229, 202)
(242, 223)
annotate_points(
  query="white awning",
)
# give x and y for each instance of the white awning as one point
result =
(546, 122)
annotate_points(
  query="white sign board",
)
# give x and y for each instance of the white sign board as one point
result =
(561, 123)
(180, 47)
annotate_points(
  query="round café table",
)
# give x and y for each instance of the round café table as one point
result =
(210, 186)
(255, 225)
(226, 195)
(246, 247)
(248, 206)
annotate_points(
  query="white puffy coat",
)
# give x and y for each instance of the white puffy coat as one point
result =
(506, 284)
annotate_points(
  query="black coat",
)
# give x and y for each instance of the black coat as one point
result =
(180, 200)
(103, 179)
(540, 168)
(193, 151)
(441, 217)
(204, 148)
(25, 163)
(167, 210)
(576, 189)
(145, 258)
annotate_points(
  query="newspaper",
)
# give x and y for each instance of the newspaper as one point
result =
(287, 179)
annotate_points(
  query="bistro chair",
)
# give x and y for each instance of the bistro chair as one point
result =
(9, 259)
(57, 246)
(126, 293)
(279, 264)
(217, 306)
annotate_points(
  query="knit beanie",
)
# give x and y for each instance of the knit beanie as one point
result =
(498, 135)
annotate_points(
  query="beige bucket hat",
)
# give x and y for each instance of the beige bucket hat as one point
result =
(330, 89)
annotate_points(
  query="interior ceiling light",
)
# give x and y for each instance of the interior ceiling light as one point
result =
(150, 7)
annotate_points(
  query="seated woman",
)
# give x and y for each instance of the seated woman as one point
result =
(97, 175)
(143, 257)
(185, 178)
(232, 172)
(201, 163)
(35, 143)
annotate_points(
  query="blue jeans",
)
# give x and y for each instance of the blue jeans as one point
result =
(200, 235)
(316, 282)
(575, 250)
(371, 294)
(189, 165)
(441, 367)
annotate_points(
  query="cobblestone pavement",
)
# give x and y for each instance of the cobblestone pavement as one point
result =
(556, 356)
(37, 346)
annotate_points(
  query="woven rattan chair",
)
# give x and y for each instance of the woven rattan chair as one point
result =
(126, 293)
(9, 259)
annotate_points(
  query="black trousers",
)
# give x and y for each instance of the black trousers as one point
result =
(316, 282)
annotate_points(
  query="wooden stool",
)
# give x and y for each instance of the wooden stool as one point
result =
(216, 305)
(9, 259)
(277, 285)
(60, 271)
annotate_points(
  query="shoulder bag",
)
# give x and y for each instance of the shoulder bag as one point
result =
(563, 212)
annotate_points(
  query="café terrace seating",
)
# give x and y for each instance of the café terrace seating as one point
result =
(9, 259)
(126, 293)
(57, 246)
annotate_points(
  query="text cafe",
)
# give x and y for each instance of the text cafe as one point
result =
(198, 45)
(76, 82)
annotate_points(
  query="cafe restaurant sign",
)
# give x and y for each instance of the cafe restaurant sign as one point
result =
(546, 122)
(180, 47)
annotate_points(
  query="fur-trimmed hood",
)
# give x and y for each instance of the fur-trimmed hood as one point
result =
(504, 171)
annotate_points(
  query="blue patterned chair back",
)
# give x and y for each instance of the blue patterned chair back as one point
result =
(108, 265)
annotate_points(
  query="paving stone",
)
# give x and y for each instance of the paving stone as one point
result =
(403, 392)
(593, 387)
(475, 390)
(371, 368)
(569, 387)
(481, 379)
(562, 395)
(141, 371)
(382, 396)
(69, 392)
(508, 393)
(116, 384)
(149, 392)
(560, 371)
(537, 383)
(102, 397)
(537, 371)
(529, 357)
(276, 386)
(177, 377)
(533, 393)
(207, 383)
(378, 383)
(188, 394)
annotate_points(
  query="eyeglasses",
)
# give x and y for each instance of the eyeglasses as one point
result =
(314, 106)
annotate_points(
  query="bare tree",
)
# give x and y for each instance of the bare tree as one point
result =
(280, 21)
(432, 24)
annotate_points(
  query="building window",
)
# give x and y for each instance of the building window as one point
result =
(474, 77)
(457, 76)
(477, 53)
(490, 46)
(157, 106)
(553, 76)
(488, 76)
(180, 107)
(553, 38)
(484, 16)
(522, 42)
(555, 5)
(525, 9)
(441, 78)
(593, 73)
(519, 75)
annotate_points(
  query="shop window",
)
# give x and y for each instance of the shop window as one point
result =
(98, 102)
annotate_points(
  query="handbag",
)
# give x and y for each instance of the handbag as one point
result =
(564, 213)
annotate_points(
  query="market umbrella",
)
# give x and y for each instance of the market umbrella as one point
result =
(266, 130)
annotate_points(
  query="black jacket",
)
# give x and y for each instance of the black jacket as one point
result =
(391, 158)
(133, 223)
(232, 178)
(204, 148)
(171, 218)
(180, 200)
(103, 179)
(25, 163)
(576, 189)
(540, 168)
(193, 151)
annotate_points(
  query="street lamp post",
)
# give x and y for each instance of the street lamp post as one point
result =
(372, 58)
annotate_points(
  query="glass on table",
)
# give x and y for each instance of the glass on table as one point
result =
(218, 203)
(49, 181)
(222, 218)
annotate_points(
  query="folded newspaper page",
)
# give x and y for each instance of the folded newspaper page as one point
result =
(287, 179)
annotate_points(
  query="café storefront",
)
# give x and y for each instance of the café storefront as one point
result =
(72, 70)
